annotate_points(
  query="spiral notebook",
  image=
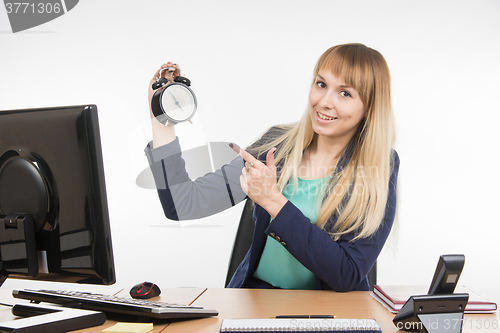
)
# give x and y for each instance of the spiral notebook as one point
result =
(299, 325)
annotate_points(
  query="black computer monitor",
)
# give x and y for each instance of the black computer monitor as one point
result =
(54, 222)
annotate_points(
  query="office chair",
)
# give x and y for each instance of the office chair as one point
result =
(243, 240)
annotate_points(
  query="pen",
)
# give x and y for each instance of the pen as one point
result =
(304, 316)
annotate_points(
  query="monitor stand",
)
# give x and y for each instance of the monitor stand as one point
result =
(17, 245)
(55, 319)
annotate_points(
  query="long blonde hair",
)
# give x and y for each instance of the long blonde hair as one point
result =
(357, 194)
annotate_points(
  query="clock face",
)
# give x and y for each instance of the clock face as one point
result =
(178, 102)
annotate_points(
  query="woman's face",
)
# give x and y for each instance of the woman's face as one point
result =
(336, 109)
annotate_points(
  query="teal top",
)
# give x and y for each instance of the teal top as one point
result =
(277, 266)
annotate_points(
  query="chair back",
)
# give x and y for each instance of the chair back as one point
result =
(242, 240)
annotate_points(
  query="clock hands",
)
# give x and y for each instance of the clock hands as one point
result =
(176, 102)
(179, 105)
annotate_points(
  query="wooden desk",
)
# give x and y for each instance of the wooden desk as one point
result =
(260, 303)
(264, 303)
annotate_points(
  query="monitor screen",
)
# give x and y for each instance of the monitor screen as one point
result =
(54, 222)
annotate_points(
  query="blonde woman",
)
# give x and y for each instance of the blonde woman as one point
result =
(324, 188)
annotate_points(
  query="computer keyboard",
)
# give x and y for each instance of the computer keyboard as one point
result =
(114, 304)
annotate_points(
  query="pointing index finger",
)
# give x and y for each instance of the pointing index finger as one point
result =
(244, 154)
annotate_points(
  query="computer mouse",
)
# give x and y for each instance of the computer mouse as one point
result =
(145, 290)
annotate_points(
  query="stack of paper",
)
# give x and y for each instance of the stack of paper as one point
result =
(394, 297)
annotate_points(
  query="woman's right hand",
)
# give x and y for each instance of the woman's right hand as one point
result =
(162, 134)
(173, 71)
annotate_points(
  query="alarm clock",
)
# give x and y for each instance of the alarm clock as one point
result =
(173, 102)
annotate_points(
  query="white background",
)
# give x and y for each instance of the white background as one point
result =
(251, 65)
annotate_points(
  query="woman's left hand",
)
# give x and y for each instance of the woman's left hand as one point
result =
(258, 181)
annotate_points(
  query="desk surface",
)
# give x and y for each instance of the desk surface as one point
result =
(263, 303)
(260, 303)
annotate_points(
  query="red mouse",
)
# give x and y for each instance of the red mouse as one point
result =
(145, 290)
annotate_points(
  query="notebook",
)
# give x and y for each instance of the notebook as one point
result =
(394, 297)
(299, 325)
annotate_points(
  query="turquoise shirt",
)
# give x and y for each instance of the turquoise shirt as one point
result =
(277, 266)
